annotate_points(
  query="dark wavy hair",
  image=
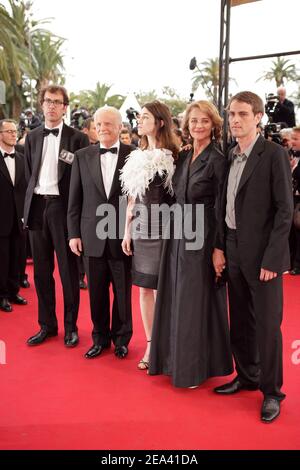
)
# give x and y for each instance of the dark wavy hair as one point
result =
(164, 134)
(55, 89)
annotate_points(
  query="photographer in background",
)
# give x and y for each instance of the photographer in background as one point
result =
(284, 109)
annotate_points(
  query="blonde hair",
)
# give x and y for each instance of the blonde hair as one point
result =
(210, 110)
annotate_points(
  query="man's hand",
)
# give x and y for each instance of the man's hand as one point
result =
(76, 246)
(219, 261)
(266, 275)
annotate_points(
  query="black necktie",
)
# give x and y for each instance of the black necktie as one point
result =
(11, 155)
(51, 131)
(112, 150)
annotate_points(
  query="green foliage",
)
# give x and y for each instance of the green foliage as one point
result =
(281, 71)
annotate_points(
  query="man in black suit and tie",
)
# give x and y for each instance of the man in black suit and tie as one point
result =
(12, 193)
(258, 208)
(49, 153)
(95, 188)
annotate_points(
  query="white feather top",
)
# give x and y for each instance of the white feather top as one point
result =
(141, 167)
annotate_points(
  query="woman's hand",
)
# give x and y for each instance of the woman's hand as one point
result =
(126, 245)
(219, 261)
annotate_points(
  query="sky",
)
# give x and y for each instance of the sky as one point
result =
(140, 45)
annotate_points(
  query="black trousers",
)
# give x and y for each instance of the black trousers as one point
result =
(101, 272)
(10, 264)
(255, 318)
(52, 237)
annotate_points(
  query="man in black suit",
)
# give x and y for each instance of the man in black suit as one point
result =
(95, 188)
(258, 208)
(284, 109)
(12, 193)
(49, 152)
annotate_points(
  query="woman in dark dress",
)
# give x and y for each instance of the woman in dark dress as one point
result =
(146, 179)
(190, 337)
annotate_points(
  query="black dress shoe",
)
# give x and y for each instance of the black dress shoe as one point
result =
(233, 387)
(25, 283)
(17, 299)
(95, 351)
(270, 410)
(295, 271)
(5, 305)
(82, 284)
(71, 339)
(121, 351)
(40, 337)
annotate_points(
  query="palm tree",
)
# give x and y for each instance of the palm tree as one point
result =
(47, 59)
(9, 37)
(281, 70)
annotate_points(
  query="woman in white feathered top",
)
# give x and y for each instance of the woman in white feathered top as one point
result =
(146, 180)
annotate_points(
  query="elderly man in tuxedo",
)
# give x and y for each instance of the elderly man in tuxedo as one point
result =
(257, 211)
(49, 153)
(12, 193)
(94, 187)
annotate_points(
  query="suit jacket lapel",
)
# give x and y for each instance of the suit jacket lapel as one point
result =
(120, 163)
(18, 169)
(37, 157)
(93, 161)
(4, 169)
(201, 161)
(63, 145)
(252, 161)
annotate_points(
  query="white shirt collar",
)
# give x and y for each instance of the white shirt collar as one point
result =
(60, 126)
(116, 144)
(4, 151)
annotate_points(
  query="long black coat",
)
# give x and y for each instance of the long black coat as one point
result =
(190, 338)
(71, 140)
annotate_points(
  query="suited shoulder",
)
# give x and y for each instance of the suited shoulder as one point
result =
(217, 154)
(35, 132)
(90, 149)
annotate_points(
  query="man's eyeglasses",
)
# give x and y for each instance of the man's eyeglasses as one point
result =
(10, 132)
(55, 103)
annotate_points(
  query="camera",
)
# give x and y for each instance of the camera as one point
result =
(132, 114)
(271, 101)
(78, 116)
(272, 131)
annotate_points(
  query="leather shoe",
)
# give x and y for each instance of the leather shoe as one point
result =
(234, 386)
(95, 351)
(270, 410)
(71, 339)
(295, 271)
(5, 305)
(82, 284)
(17, 299)
(121, 351)
(40, 337)
(25, 283)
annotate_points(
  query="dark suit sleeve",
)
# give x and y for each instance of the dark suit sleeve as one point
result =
(75, 201)
(281, 182)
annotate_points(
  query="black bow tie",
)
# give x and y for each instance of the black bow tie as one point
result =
(11, 155)
(112, 150)
(51, 131)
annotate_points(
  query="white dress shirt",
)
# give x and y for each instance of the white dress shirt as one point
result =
(11, 165)
(108, 167)
(47, 182)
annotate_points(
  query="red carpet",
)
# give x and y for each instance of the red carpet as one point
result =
(53, 398)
